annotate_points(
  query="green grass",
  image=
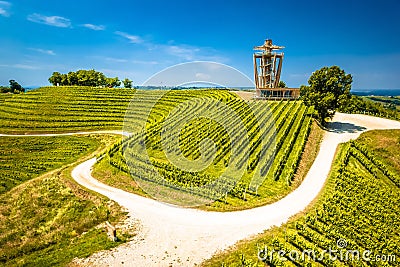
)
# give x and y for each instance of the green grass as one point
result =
(292, 122)
(49, 219)
(115, 177)
(3, 97)
(379, 106)
(385, 146)
(23, 158)
(71, 109)
(388, 102)
(359, 204)
(65, 109)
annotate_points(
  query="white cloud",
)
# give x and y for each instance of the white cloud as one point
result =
(200, 72)
(193, 53)
(24, 66)
(118, 60)
(55, 21)
(118, 73)
(94, 27)
(145, 62)
(132, 38)
(4, 5)
(44, 51)
(123, 60)
(3, 12)
(20, 66)
(182, 51)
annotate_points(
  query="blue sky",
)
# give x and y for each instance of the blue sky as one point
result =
(136, 39)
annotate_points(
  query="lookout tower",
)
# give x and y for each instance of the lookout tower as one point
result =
(267, 72)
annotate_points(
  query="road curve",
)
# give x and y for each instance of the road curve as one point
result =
(176, 236)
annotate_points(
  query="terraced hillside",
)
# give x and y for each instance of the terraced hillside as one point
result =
(64, 109)
(24, 158)
(258, 145)
(68, 109)
(45, 218)
(356, 217)
(265, 158)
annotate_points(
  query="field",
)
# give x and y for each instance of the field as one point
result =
(64, 109)
(380, 106)
(54, 220)
(45, 218)
(72, 109)
(276, 137)
(359, 207)
(388, 102)
(275, 133)
(24, 158)
(252, 152)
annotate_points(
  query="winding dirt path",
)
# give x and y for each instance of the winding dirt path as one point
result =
(175, 236)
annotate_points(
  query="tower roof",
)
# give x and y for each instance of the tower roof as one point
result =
(268, 46)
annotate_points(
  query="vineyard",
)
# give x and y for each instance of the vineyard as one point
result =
(360, 205)
(269, 137)
(23, 158)
(257, 150)
(43, 218)
(64, 109)
(70, 109)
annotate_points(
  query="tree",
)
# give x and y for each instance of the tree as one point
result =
(113, 82)
(15, 87)
(55, 78)
(127, 83)
(83, 78)
(328, 89)
(281, 84)
(5, 89)
(71, 78)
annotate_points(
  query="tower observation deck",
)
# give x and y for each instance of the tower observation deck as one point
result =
(267, 72)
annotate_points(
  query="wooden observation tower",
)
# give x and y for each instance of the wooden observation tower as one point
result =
(267, 72)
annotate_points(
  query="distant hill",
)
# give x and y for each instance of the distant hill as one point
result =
(377, 92)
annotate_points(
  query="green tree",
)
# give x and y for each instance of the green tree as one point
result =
(83, 78)
(100, 79)
(127, 83)
(281, 84)
(113, 82)
(56, 78)
(15, 87)
(5, 89)
(64, 80)
(328, 89)
(72, 78)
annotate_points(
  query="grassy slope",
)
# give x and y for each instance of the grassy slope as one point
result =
(117, 178)
(49, 220)
(54, 109)
(64, 109)
(70, 109)
(276, 184)
(385, 100)
(23, 158)
(361, 207)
